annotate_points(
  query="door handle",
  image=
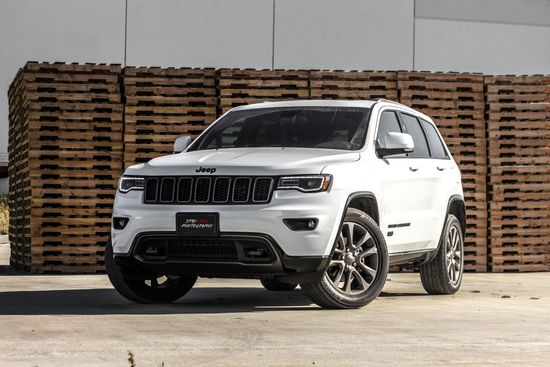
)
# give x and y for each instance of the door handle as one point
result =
(413, 168)
(440, 168)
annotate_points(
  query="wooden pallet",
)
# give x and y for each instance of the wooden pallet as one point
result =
(518, 124)
(66, 144)
(455, 102)
(163, 104)
(353, 85)
(245, 86)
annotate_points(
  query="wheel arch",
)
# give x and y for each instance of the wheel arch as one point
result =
(366, 202)
(456, 207)
(361, 200)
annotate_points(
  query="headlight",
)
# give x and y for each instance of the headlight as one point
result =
(128, 183)
(313, 183)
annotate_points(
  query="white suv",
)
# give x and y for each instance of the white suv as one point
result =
(325, 194)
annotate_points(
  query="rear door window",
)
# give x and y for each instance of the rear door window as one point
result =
(412, 127)
(437, 149)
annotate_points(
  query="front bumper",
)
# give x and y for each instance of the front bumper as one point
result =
(225, 256)
(266, 220)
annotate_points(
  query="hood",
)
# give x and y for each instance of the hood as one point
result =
(244, 161)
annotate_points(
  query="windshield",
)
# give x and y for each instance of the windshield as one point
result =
(304, 127)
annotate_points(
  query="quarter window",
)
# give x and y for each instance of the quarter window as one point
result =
(412, 127)
(436, 145)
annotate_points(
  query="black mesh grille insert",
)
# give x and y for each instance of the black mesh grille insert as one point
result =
(189, 249)
(221, 189)
(184, 189)
(163, 247)
(241, 189)
(202, 189)
(151, 188)
(202, 250)
(262, 189)
(167, 186)
(209, 190)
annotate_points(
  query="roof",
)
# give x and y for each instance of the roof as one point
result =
(309, 103)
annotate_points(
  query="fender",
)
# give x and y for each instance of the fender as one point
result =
(453, 198)
(351, 197)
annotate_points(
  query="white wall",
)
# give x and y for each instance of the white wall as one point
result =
(348, 35)
(200, 33)
(491, 48)
(56, 30)
(491, 36)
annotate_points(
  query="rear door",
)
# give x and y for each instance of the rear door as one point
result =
(442, 167)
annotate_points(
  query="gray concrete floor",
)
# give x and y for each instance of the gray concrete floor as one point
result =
(496, 319)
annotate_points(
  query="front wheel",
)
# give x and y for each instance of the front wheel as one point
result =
(443, 273)
(358, 268)
(156, 289)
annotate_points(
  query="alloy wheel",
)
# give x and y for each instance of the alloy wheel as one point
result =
(354, 265)
(454, 255)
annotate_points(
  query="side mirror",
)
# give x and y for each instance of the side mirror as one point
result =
(181, 144)
(396, 143)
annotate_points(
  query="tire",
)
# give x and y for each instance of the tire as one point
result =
(443, 273)
(160, 289)
(362, 264)
(275, 285)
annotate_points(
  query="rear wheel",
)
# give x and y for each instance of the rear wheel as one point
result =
(159, 288)
(443, 273)
(358, 268)
(275, 285)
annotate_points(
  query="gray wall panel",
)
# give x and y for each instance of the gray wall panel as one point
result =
(443, 45)
(351, 34)
(4, 183)
(200, 33)
(56, 30)
(532, 12)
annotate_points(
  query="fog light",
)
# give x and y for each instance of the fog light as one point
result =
(301, 224)
(120, 223)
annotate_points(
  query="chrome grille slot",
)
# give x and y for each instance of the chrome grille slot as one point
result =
(208, 190)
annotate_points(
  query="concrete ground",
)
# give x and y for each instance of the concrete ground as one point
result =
(496, 319)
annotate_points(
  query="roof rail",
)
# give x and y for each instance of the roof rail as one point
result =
(390, 101)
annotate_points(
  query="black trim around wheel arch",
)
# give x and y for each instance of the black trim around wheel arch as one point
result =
(351, 197)
(292, 269)
(452, 199)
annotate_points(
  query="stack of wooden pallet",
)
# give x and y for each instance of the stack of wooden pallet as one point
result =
(65, 152)
(245, 86)
(455, 102)
(353, 85)
(162, 105)
(518, 115)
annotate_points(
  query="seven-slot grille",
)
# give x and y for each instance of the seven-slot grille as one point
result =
(200, 190)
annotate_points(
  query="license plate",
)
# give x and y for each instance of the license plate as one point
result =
(197, 224)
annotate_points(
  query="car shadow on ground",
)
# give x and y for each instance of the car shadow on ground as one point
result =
(200, 300)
